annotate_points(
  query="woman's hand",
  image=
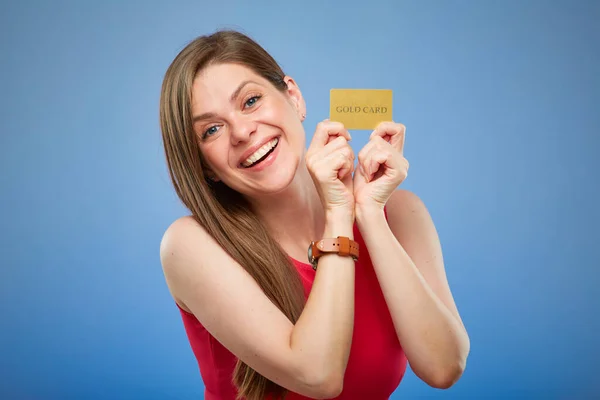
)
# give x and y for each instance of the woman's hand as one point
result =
(381, 167)
(330, 162)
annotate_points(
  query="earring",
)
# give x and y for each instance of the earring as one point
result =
(211, 177)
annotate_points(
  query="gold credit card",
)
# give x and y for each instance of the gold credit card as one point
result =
(360, 108)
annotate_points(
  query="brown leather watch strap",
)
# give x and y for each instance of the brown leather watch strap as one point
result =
(341, 245)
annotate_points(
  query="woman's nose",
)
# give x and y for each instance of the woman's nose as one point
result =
(242, 129)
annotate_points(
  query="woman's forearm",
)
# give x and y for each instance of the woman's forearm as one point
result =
(323, 333)
(434, 340)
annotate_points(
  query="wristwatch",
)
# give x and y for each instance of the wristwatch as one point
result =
(341, 245)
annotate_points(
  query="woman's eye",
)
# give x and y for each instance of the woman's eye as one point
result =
(210, 131)
(252, 100)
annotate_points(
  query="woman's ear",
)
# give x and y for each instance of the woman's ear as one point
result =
(208, 173)
(296, 97)
(212, 177)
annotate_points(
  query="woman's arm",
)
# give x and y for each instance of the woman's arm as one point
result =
(309, 358)
(407, 259)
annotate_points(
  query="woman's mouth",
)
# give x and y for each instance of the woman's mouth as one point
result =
(261, 154)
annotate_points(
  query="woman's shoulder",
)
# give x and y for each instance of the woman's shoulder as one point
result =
(404, 201)
(181, 224)
(181, 245)
(181, 231)
(179, 234)
(405, 211)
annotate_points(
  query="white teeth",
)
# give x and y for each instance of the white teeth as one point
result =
(260, 153)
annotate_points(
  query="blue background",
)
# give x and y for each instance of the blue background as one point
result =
(501, 101)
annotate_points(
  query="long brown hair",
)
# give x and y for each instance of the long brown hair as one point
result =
(224, 213)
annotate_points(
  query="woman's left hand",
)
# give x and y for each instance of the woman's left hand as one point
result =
(381, 166)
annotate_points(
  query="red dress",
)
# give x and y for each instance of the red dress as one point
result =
(376, 364)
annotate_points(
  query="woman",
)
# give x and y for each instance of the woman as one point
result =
(262, 320)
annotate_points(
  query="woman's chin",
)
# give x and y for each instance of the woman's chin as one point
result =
(276, 182)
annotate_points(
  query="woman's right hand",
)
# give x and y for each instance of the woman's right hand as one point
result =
(330, 162)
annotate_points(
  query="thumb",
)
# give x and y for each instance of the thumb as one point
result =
(360, 173)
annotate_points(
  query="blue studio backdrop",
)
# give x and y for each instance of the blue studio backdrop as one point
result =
(502, 106)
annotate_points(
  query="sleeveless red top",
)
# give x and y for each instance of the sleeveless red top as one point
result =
(376, 364)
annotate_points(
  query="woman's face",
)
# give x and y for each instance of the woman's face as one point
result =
(250, 133)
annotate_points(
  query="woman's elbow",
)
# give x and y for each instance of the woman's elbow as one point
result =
(331, 389)
(325, 385)
(446, 377)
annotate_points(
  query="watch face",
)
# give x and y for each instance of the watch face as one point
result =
(311, 259)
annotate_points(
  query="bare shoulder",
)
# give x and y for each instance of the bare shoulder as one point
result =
(408, 215)
(401, 199)
(181, 237)
(412, 225)
(181, 226)
(194, 264)
(179, 240)
(178, 235)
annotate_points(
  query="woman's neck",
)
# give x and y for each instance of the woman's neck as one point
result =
(295, 216)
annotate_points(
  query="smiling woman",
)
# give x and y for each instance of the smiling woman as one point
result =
(224, 107)
(262, 323)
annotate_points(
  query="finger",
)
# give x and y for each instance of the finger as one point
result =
(348, 153)
(346, 170)
(326, 162)
(392, 132)
(326, 131)
(334, 145)
(362, 154)
(315, 155)
(364, 159)
(379, 161)
(338, 163)
(374, 160)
